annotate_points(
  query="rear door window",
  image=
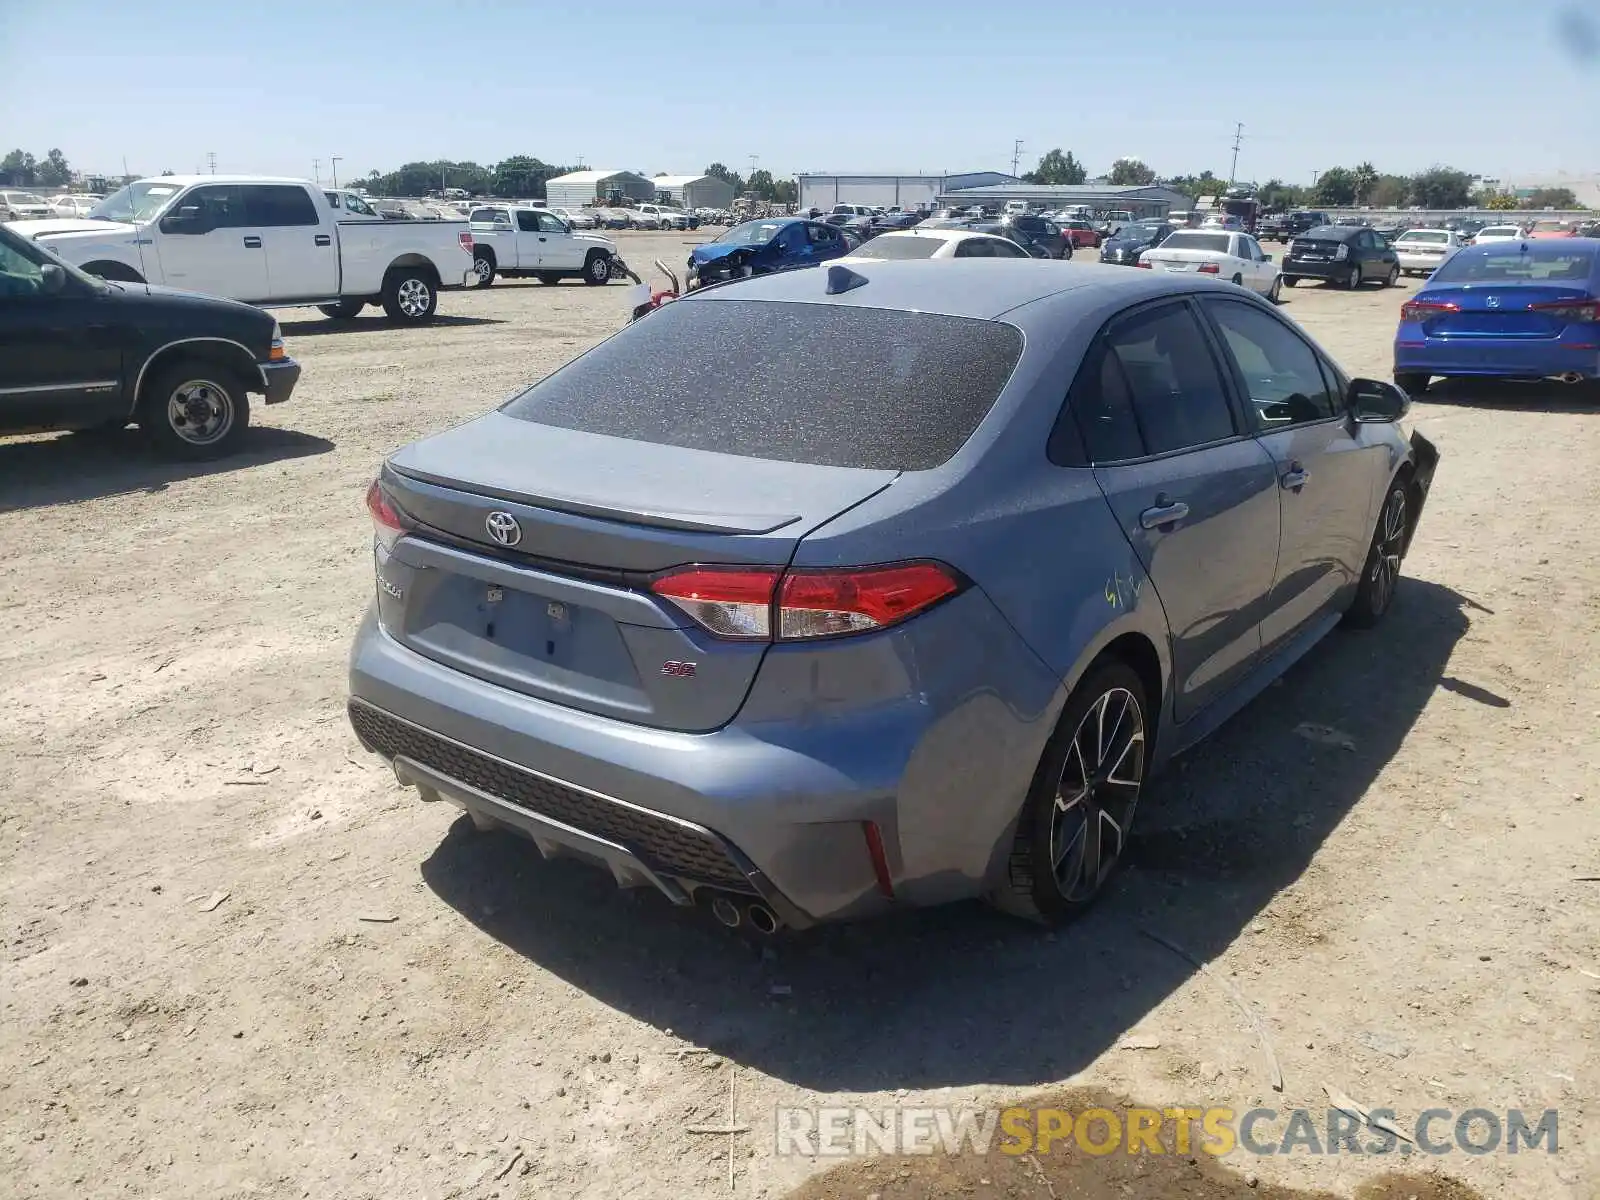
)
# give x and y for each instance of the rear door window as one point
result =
(279, 205)
(824, 384)
(1172, 381)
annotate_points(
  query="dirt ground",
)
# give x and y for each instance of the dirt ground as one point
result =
(238, 960)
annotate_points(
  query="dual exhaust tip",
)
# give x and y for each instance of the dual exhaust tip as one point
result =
(758, 916)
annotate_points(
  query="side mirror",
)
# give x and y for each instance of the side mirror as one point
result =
(52, 279)
(1373, 400)
(1266, 258)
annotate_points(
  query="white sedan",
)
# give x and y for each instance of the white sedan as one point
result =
(73, 206)
(577, 218)
(1498, 233)
(1218, 252)
(902, 244)
(1422, 250)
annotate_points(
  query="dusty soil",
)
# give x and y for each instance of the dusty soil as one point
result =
(238, 960)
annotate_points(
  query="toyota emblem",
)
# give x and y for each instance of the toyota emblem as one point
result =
(503, 528)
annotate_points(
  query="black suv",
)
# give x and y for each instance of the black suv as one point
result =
(1298, 222)
(1036, 235)
(78, 352)
(1341, 254)
(1133, 239)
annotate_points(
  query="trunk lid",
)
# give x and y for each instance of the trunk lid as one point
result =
(1499, 311)
(559, 609)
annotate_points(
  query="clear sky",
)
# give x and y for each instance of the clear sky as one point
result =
(1508, 89)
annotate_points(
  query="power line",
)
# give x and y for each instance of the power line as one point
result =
(1233, 168)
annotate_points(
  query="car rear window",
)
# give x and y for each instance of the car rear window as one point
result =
(1417, 236)
(825, 384)
(888, 247)
(1514, 264)
(1197, 241)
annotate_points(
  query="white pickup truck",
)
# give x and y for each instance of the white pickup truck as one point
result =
(517, 240)
(275, 243)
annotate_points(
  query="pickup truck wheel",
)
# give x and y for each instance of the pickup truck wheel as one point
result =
(549, 278)
(409, 296)
(482, 270)
(343, 310)
(597, 268)
(194, 410)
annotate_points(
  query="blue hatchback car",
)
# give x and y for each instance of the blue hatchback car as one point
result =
(761, 247)
(1509, 310)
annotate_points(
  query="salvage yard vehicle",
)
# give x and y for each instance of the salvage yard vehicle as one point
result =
(23, 206)
(1420, 251)
(1506, 310)
(274, 243)
(77, 352)
(519, 241)
(761, 247)
(1132, 240)
(934, 243)
(1348, 255)
(757, 628)
(1237, 257)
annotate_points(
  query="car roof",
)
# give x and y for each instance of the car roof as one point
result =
(981, 288)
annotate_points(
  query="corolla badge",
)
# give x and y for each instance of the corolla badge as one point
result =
(503, 528)
(1491, 301)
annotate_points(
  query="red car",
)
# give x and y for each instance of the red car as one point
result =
(1082, 234)
(1551, 229)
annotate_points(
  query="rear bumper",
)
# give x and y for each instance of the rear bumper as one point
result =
(1520, 358)
(1300, 269)
(759, 808)
(280, 379)
(1420, 262)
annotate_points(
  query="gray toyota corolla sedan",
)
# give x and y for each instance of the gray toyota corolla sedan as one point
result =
(839, 589)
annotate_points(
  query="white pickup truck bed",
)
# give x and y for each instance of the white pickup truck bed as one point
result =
(276, 243)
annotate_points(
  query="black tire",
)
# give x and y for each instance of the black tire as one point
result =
(114, 271)
(1290, 280)
(549, 278)
(483, 270)
(194, 410)
(410, 295)
(1380, 574)
(342, 311)
(1392, 278)
(1353, 280)
(597, 268)
(1238, 281)
(1037, 886)
(1411, 383)
(1275, 292)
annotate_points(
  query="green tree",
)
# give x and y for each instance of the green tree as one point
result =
(1552, 197)
(19, 168)
(523, 175)
(1130, 172)
(760, 182)
(1276, 194)
(717, 171)
(1389, 191)
(1336, 187)
(786, 191)
(54, 170)
(1057, 168)
(1365, 177)
(1441, 187)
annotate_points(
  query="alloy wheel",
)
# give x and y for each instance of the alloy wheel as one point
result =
(414, 297)
(1096, 794)
(1387, 551)
(484, 270)
(200, 412)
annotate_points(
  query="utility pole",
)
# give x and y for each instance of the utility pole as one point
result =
(335, 161)
(211, 160)
(754, 158)
(1016, 155)
(1233, 168)
(316, 170)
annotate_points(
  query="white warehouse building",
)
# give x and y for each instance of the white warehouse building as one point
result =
(690, 192)
(586, 187)
(909, 192)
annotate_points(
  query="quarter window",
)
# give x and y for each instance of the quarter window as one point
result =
(1280, 373)
(978, 247)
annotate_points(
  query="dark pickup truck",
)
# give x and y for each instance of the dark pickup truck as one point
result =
(77, 352)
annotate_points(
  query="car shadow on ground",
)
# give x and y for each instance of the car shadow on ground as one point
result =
(73, 467)
(961, 995)
(318, 326)
(1544, 396)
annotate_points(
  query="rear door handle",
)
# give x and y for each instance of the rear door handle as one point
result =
(1163, 513)
(1295, 477)
(323, 239)
(252, 243)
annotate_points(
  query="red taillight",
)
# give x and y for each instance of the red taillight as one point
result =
(386, 523)
(766, 604)
(1146, 265)
(1416, 310)
(465, 238)
(1209, 269)
(1573, 312)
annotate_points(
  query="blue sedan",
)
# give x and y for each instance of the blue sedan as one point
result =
(1507, 310)
(761, 247)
